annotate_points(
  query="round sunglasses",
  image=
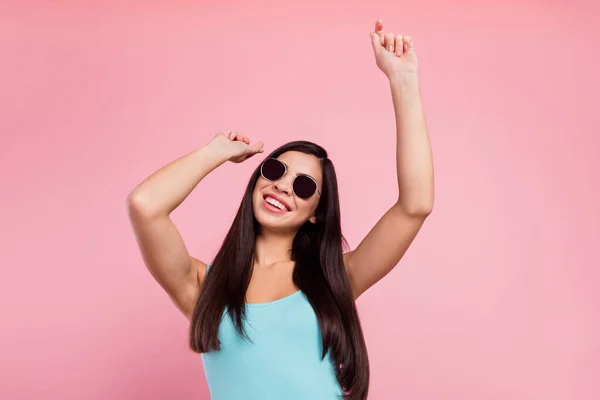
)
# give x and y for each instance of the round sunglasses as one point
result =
(303, 186)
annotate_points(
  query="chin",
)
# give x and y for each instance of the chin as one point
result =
(269, 220)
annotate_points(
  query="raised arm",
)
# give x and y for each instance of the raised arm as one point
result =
(151, 202)
(386, 243)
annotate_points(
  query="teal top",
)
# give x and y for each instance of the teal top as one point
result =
(283, 361)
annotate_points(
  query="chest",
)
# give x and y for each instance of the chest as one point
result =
(281, 360)
(269, 284)
(287, 323)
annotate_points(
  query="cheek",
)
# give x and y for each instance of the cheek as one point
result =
(257, 198)
(258, 188)
(314, 204)
(306, 208)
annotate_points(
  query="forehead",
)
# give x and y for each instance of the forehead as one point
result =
(302, 163)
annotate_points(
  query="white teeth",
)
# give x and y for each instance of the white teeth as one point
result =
(275, 203)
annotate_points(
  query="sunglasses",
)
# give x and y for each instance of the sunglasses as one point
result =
(303, 186)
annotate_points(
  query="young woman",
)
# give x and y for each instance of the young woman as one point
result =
(273, 315)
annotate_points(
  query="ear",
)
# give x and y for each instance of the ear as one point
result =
(313, 219)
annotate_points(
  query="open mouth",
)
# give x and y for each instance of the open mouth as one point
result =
(275, 205)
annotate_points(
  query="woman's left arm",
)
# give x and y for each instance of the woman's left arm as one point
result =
(383, 247)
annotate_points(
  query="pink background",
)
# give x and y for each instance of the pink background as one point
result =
(498, 297)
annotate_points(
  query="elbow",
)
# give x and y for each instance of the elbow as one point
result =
(137, 204)
(134, 200)
(420, 209)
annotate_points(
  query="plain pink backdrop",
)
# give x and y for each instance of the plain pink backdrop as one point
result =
(497, 298)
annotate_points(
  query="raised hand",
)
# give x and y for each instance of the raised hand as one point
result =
(394, 54)
(235, 146)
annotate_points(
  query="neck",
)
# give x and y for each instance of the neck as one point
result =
(272, 247)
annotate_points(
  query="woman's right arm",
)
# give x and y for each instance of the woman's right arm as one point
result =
(149, 207)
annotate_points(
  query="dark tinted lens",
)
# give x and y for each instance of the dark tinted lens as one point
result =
(304, 187)
(272, 169)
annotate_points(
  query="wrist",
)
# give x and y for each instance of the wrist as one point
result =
(221, 153)
(404, 80)
(405, 88)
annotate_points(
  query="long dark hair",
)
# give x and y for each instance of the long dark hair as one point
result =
(319, 272)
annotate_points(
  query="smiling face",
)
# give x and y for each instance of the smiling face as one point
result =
(274, 203)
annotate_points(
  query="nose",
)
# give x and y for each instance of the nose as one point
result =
(284, 185)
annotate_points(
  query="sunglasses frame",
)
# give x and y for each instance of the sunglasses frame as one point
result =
(285, 172)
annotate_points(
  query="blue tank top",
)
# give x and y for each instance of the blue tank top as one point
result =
(283, 361)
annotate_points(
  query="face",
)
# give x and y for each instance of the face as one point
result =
(296, 211)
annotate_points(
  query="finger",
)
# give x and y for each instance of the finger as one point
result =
(389, 42)
(250, 153)
(399, 45)
(379, 26)
(379, 30)
(376, 42)
(407, 43)
(257, 148)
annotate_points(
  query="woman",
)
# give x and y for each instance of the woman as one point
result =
(274, 315)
